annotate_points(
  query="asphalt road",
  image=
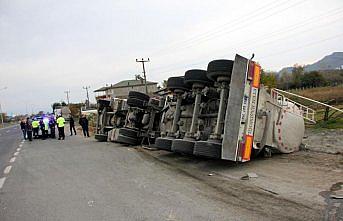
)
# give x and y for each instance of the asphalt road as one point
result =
(81, 179)
(10, 137)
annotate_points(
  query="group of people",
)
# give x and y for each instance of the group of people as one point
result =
(31, 127)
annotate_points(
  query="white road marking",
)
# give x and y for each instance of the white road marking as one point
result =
(18, 149)
(7, 169)
(16, 154)
(7, 131)
(12, 160)
(20, 145)
(2, 181)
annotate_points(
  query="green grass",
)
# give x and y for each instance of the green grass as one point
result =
(335, 123)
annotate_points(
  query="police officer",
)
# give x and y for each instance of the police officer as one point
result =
(60, 125)
(46, 127)
(35, 127)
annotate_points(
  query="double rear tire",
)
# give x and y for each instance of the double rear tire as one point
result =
(197, 76)
(138, 99)
(177, 83)
(220, 68)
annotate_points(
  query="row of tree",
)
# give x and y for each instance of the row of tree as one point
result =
(301, 79)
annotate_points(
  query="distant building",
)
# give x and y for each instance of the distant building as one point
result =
(121, 89)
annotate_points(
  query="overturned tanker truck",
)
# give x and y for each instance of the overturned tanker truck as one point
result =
(225, 113)
(222, 113)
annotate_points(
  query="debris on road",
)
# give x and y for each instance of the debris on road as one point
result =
(249, 176)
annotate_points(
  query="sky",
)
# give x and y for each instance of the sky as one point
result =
(49, 47)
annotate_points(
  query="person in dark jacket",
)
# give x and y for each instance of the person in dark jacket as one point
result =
(84, 124)
(42, 128)
(23, 128)
(72, 125)
(29, 129)
(52, 124)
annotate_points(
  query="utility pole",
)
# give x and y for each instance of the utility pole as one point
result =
(67, 92)
(1, 114)
(86, 88)
(143, 61)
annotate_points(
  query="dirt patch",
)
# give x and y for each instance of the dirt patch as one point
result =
(287, 188)
(326, 141)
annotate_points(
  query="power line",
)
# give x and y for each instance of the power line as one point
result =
(278, 53)
(327, 24)
(255, 41)
(263, 8)
(241, 25)
(304, 46)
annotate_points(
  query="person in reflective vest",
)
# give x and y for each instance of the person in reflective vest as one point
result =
(45, 128)
(35, 127)
(60, 125)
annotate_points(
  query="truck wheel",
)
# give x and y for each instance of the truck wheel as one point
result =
(177, 83)
(197, 76)
(219, 68)
(183, 146)
(139, 95)
(163, 143)
(103, 103)
(208, 149)
(135, 102)
(128, 132)
(101, 137)
(154, 102)
(126, 140)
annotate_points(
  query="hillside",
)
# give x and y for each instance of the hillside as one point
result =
(329, 62)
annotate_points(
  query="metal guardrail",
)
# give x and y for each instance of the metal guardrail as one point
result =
(292, 106)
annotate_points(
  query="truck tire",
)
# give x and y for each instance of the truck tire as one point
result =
(139, 95)
(126, 140)
(197, 76)
(208, 149)
(183, 146)
(219, 68)
(135, 102)
(154, 102)
(177, 83)
(103, 103)
(101, 137)
(163, 143)
(128, 132)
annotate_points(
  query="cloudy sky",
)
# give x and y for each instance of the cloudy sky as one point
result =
(48, 47)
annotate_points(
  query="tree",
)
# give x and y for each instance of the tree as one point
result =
(285, 81)
(63, 104)
(268, 79)
(297, 73)
(313, 79)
